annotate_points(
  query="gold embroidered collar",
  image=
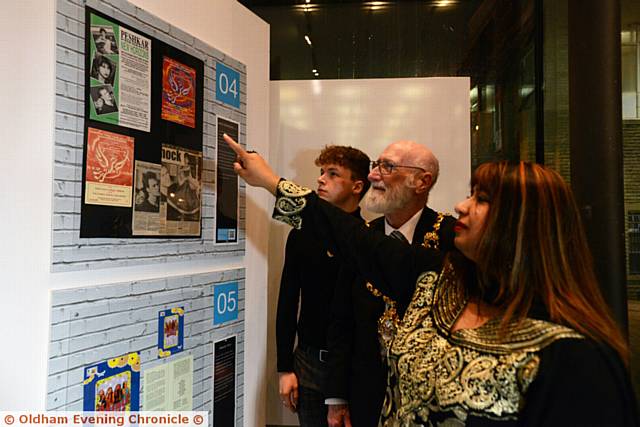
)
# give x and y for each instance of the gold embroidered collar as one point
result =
(525, 335)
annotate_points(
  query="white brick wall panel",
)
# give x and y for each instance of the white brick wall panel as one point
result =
(68, 122)
(71, 10)
(71, 42)
(147, 286)
(68, 296)
(151, 20)
(131, 331)
(69, 25)
(69, 106)
(144, 342)
(166, 297)
(70, 90)
(88, 341)
(66, 172)
(65, 204)
(99, 293)
(64, 238)
(69, 57)
(59, 348)
(68, 155)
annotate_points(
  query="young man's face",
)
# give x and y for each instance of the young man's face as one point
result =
(335, 185)
(153, 187)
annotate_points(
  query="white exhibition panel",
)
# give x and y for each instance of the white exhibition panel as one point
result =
(368, 114)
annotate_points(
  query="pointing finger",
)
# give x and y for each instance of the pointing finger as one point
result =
(234, 145)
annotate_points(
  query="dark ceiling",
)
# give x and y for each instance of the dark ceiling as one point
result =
(373, 39)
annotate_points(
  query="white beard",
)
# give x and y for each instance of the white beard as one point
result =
(391, 200)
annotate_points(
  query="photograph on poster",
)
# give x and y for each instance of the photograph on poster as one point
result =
(113, 385)
(109, 173)
(103, 70)
(169, 386)
(178, 92)
(224, 382)
(104, 101)
(226, 219)
(148, 210)
(170, 331)
(104, 38)
(126, 68)
(180, 184)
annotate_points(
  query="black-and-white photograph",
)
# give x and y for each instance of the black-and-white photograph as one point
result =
(105, 39)
(103, 69)
(103, 99)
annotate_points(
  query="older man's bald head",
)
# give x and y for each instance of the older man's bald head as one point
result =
(413, 154)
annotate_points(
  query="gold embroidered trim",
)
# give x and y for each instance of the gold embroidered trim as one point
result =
(431, 238)
(387, 323)
(462, 373)
(290, 202)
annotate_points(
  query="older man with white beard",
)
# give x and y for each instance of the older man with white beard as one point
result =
(401, 180)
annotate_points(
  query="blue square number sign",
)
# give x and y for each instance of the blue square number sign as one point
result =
(227, 85)
(225, 302)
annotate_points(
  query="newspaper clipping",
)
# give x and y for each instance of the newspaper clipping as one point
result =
(135, 80)
(148, 212)
(109, 174)
(120, 75)
(180, 186)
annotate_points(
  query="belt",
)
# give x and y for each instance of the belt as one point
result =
(319, 353)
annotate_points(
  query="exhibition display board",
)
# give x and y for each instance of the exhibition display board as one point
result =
(139, 173)
(141, 176)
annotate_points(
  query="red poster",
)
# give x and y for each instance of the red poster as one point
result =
(178, 93)
(109, 177)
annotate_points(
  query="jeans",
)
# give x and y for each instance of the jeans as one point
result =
(311, 373)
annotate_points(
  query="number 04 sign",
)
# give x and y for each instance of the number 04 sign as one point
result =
(225, 302)
(227, 85)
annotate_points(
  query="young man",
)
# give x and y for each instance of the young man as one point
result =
(308, 278)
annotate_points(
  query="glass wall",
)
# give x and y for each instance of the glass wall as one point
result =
(630, 50)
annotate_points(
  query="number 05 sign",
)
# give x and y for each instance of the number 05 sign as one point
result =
(227, 85)
(225, 302)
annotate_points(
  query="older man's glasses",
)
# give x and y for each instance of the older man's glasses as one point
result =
(387, 168)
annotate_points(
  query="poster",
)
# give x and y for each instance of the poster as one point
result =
(170, 331)
(178, 93)
(224, 382)
(148, 211)
(180, 184)
(113, 385)
(120, 75)
(169, 386)
(109, 173)
(226, 220)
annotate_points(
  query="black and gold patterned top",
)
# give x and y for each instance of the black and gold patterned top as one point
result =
(541, 374)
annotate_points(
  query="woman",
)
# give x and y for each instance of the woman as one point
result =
(103, 69)
(510, 330)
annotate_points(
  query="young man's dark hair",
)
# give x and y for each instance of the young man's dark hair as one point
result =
(348, 157)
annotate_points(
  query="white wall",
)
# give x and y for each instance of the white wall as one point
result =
(27, 44)
(367, 114)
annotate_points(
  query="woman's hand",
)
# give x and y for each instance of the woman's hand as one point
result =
(252, 168)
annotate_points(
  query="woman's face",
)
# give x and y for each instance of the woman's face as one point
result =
(472, 215)
(104, 70)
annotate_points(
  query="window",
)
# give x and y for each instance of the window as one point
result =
(634, 242)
